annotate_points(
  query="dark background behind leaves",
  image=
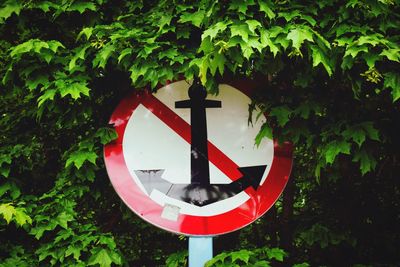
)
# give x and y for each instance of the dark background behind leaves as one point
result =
(327, 75)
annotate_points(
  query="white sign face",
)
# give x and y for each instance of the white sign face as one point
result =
(162, 148)
(187, 162)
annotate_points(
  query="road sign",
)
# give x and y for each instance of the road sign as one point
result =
(187, 163)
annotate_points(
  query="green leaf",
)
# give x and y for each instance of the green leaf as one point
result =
(276, 253)
(75, 90)
(261, 264)
(54, 45)
(266, 41)
(239, 5)
(47, 95)
(73, 250)
(241, 30)
(253, 25)
(21, 217)
(206, 45)
(357, 134)
(265, 6)
(106, 135)
(354, 50)
(334, 148)
(85, 31)
(215, 29)
(242, 255)
(22, 48)
(392, 80)
(391, 54)
(304, 264)
(79, 157)
(100, 257)
(366, 160)
(319, 57)
(217, 62)
(46, 5)
(8, 8)
(246, 49)
(82, 6)
(80, 54)
(369, 128)
(195, 18)
(102, 56)
(265, 131)
(7, 211)
(299, 35)
(63, 218)
(124, 53)
(288, 16)
(282, 114)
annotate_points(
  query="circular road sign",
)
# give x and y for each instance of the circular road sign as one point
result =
(187, 162)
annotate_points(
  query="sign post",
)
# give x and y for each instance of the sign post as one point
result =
(186, 162)
(200, 250)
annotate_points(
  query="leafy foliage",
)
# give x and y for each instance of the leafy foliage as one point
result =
(327, 75)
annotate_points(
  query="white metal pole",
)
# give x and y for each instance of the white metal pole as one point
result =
(200, 250)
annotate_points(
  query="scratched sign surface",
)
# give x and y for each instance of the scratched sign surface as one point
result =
(186, 161)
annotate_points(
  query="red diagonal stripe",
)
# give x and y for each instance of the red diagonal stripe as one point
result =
(182, 128)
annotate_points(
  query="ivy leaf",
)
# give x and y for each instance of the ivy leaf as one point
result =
(85, 31)
(106, 135)
(79, 157)
(253, 25)
(54, 45)
(80, 54)
(241, 30)
(21, 217)
(246, 49)
(298, 36)
(319, 57)
(195, 18)
(100, 257)
(276, 253)
(82, 6)
(215, 29)
(239, 5)
(217, 62)
(46, 5)
(334, 148)
(354, 50)
(357, 134)
(265, 131)
(366, 160)
(5, 171)
(63, 218)
(7, 211)
(22, 48)
(254, 43)
(124, 53)
(73, 250)
(391, 54)
(243, 255)
(47, 95)
(304, 264)
(9, 7)
(392, 80)
(282, 114)
(266, 41)
(101, 58)
(372, 133)
(262, 264)
(75, 90)
(265, 6)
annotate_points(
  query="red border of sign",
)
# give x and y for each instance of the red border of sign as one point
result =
(259, 203)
